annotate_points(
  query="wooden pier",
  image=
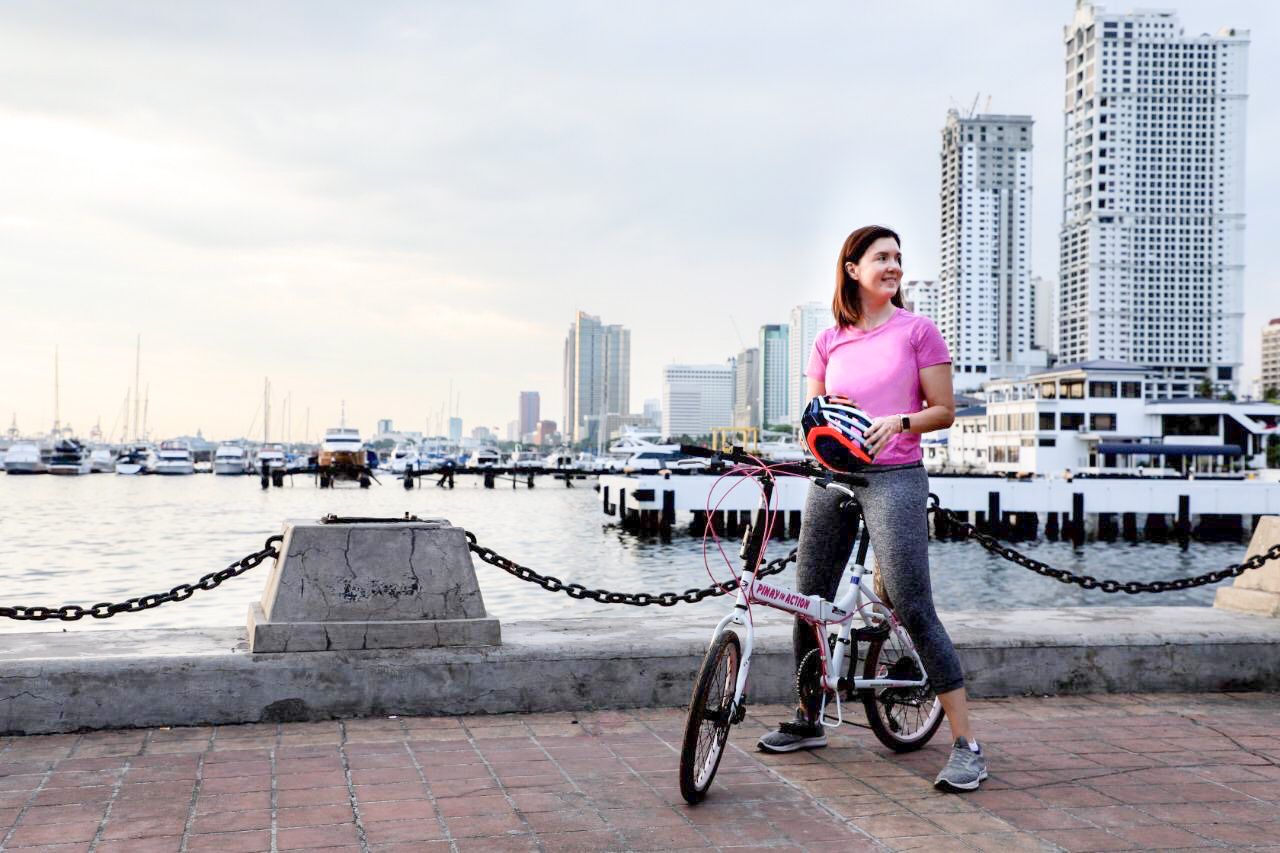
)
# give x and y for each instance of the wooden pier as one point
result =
(1106, 509)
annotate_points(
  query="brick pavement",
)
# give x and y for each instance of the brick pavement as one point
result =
(1077, 773)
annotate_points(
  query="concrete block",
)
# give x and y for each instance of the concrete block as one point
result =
(380, 585)
(1256, 591)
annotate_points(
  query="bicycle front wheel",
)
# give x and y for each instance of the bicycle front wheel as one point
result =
(710, 710)
(902, 718)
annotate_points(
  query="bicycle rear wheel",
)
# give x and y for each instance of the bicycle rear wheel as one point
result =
(707, 726)
(902, 718)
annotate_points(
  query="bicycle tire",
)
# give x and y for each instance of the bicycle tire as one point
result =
(707, 725)
(903, 719)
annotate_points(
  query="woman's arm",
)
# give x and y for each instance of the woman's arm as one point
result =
(939, 412)
(815, 388)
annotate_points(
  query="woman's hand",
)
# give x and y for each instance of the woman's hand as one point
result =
(881, 430)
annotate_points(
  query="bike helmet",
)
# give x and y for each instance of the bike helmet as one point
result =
(833, 430)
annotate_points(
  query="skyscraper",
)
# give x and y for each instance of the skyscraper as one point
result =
(806, 321)
(746, 392)
(775, 374)
(530, 411)
(696, 398)
(1270, 376)
(921, 297)
(597, 376)
(1152, 241)
(984, 304)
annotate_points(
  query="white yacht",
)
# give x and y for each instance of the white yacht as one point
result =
(175, 457)
(70, 458)
(136, 459)
(486, 457)
(635, 441)
(102, 460)
(231, 459)
(781, 447)
(526, 459)
(23, 457)
(404, 458)
(562, 458)
(272, 456)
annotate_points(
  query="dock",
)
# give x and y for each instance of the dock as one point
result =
(1105, 508)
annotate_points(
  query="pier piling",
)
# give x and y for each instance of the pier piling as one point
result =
(1129, 525)
(1182, 527)
(668, 510)
(1051, 526)
(994, 518)
(1077, 519)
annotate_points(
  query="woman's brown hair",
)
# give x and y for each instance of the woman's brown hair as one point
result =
(847, 304)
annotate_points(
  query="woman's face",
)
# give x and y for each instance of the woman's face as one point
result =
(879, 271)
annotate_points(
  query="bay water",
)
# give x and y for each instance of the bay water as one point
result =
(102, 537)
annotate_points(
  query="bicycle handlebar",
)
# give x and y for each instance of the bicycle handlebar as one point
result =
(821, 476)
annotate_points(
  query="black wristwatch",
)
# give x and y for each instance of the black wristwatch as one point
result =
(906, 423)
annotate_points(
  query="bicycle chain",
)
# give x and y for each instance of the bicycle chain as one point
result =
(1105, 585)
(181, 592)
(604, 596)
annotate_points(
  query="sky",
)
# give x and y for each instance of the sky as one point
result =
(395, 209)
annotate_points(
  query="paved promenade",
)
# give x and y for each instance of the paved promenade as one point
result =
(1079, 773)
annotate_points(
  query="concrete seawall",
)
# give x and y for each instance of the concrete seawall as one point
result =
(107, 679)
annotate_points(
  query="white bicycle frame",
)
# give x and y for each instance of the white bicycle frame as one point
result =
(856, 600)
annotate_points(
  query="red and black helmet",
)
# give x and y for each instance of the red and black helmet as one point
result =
(833, 430)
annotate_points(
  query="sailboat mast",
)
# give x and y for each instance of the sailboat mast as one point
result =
(137, 397)
(57, 419)
(266, 410)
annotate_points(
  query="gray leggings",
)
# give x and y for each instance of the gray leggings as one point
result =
(894, 507)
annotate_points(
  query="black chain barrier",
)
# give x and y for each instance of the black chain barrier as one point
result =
(181, 592)
(1087, 581)
(604, 596)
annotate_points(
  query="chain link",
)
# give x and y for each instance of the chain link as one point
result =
(181, 592)
(1087, 581)
(604, 596)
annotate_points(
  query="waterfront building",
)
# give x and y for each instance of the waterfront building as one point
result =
(696, 398)
(482, 434)
(984, 305)
(1270, 377)
(653, 412)
(530, 411)
(921, 297)
(546, 433)
(385, 427)
(597, 376)
(455, 429)
(775, 375)
(807, 320)
(1152, 241)
(1044, 307)
(1120, 417)
(746, 388)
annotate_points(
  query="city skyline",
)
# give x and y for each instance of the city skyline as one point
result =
(336, 165)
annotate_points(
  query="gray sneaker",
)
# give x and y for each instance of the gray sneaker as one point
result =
(793, 735)
(965, 769)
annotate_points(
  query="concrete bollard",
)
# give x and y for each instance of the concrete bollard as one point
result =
(1256, 591)
(371, 585)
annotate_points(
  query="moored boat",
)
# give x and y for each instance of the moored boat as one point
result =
(102, 460)
(174, 457)
(230, 459)
(23, 457)
(69, 458)
(135, 459)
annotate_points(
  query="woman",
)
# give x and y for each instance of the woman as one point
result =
(895, 366)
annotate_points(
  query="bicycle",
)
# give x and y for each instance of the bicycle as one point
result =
(902, 709)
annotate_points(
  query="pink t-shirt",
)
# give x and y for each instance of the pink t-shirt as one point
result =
(879, 371)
